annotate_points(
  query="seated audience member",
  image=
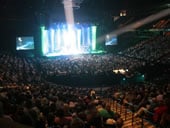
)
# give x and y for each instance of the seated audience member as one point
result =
(77, 122)
(150, 106)
(159, 110)
(165, 117)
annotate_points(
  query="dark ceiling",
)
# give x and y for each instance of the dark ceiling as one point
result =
(21, 9)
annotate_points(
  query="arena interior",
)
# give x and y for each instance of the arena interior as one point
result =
(84, 64)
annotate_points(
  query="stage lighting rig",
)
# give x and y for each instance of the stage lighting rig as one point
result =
(75, 3)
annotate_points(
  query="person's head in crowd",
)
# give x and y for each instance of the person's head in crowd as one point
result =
(77, 123)
(108, 107)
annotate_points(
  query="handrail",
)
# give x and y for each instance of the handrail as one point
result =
(133, 108)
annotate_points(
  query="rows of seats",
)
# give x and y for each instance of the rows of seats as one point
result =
(46, 106)
(22, 69)
(18, 69)
(161, 24)
(33, 70)
(151, 49)
(59, 106)
(87, 64)
(148, 102)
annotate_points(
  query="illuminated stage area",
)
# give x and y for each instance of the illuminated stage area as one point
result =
(62, 39)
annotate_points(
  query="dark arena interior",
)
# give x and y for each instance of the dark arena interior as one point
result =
(84, 64)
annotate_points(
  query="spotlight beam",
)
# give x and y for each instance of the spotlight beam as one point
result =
(68, 8)
(135, 25)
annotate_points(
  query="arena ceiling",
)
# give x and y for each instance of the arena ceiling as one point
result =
(21, 9)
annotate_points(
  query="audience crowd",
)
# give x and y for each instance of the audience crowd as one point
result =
(23, 70)
(49, 106)
(26, 97)
(55, 106)
(150, 50)
(87, 64)
(18, 69)
(149, 101)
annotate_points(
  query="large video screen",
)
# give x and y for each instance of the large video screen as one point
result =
(110, 40)
(62, 39)
(24, 43)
